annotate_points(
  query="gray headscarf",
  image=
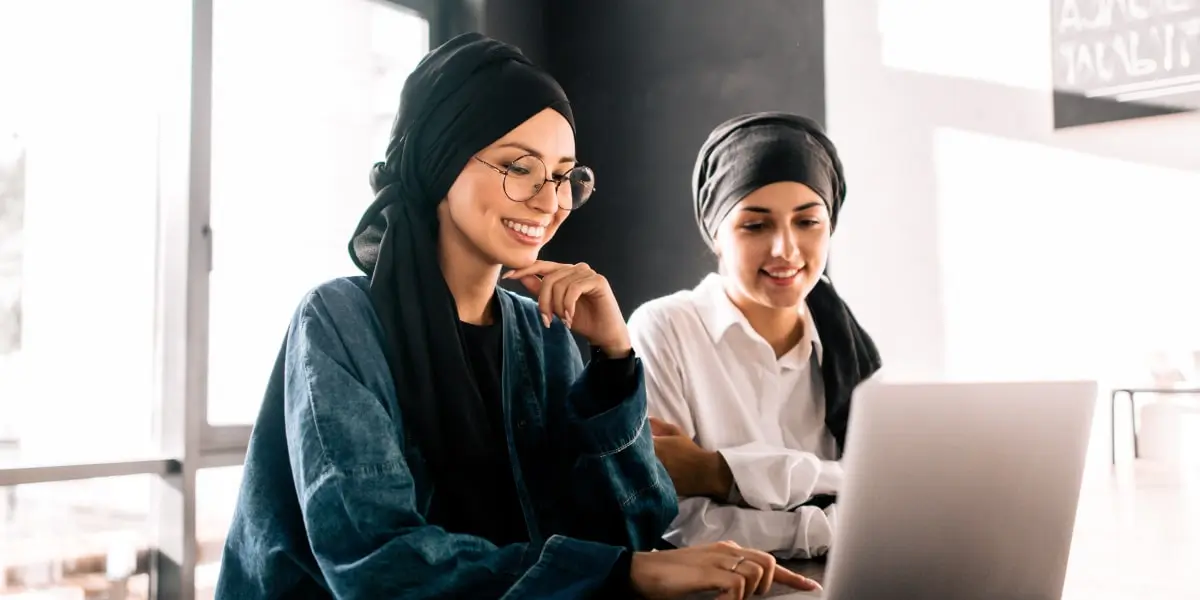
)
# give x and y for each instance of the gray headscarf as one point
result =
(754, 150)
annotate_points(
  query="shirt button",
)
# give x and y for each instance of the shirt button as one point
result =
(521, 424)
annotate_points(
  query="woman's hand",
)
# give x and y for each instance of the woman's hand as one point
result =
(725, 567)
(694, 470)
(583, 300)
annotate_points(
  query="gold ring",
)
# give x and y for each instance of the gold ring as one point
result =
(737, 564)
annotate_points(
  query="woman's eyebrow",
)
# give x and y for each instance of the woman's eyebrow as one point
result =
(530, 150)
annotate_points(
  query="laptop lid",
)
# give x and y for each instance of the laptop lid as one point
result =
(960, 490)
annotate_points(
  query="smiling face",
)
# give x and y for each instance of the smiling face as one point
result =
(773, 246)
(479, 217)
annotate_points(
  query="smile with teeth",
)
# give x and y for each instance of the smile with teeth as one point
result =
(533, 231)
(781, 273)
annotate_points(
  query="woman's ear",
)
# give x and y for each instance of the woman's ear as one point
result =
(716, 251)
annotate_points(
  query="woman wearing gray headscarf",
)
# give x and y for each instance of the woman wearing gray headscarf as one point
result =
(749, 375)
(426, 434)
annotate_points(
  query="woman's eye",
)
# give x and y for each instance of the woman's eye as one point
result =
(517, 170)
(753, 226)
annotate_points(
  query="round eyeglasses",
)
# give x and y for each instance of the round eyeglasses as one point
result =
(525, 177)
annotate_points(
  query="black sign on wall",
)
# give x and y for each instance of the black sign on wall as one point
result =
(1124, 59)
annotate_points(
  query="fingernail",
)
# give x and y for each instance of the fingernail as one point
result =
(546, 320)
(570, 317)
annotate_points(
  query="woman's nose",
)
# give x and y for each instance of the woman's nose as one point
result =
(545, 200)
(784, 245)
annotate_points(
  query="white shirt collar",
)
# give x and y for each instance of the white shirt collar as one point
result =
(719, 315)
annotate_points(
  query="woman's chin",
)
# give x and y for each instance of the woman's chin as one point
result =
(518, 260)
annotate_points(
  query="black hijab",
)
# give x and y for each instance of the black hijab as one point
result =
(751, 151)
(462, 97)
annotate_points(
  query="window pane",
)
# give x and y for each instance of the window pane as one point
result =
(79, 148)
(216, 497)
(297, 123)
(76, 539)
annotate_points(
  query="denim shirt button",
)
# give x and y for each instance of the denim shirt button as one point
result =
(521, 424)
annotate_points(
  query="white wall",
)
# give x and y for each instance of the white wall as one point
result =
(979, 242)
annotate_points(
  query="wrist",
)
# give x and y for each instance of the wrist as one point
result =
(636, 565)
(720, 477)
(616, 351)
(616, 344)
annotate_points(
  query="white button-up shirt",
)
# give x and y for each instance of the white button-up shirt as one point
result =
(711, 374)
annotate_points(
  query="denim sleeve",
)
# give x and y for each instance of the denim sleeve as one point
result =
(609, 382)
(624, 495)
(357, 494)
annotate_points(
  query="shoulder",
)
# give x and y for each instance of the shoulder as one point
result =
(342, 304)
(336, 295)
(339, 292)
(335, 331)
(665, 316)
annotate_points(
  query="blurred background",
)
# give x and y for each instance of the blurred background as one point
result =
(1024, 192)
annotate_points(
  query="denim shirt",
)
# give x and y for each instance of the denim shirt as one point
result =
(334, 497)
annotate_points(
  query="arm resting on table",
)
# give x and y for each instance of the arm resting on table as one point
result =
(806, 532)
(772, 478)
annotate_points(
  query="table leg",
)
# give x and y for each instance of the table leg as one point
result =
(1133, 424)
(1112, 424)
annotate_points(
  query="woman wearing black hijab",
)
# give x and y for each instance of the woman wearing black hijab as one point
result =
(426, 434)
(751, 372)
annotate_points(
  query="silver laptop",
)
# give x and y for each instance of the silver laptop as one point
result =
(959, 490)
